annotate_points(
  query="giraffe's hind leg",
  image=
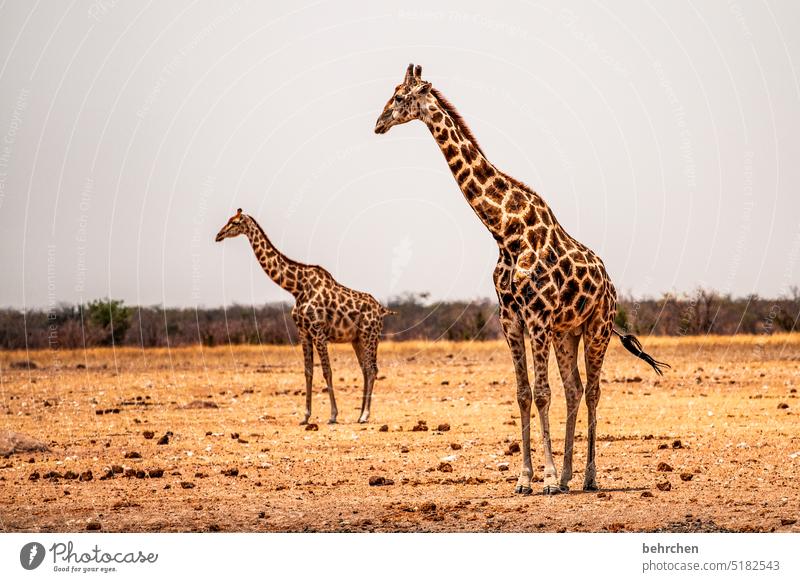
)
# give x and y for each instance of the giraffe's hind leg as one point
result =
(595, 339)
(370, 371)
(566, 349)
(322, 350)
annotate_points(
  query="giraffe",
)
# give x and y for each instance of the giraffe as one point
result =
(324, 311)
(547, 283)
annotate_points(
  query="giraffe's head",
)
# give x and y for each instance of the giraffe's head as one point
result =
(408, 102)
(236, 225)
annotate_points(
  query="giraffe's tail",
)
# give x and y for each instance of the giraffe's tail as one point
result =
(386, 311)
(631, 343)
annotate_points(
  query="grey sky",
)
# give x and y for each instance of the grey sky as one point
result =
(665, 135)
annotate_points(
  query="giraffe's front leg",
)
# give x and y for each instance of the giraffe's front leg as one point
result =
(513, 331)
(540, 346)
(308, 361)
(322, 350)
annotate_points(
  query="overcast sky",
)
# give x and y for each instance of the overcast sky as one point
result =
(665, 135)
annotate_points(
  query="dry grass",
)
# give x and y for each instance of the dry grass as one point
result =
(725, 400)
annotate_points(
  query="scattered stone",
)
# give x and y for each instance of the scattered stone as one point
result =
(378, 481)
(234, 435)
(15, 442)
(384, 428)
(312, 426)
(242, 441)
(404, 449)
(71, 475)
(93, 526)
(455, 446)
(686, 476)
(116, 468)
(214, 527)
(664, 486)
(52, 475)
(663, 446)
(421, 426)
(783, 406)
(133, 455)
(200, 404)
(148, 434)
(445, 382)
(602, 495)
(502, 467)
(444, 427)
(130, 472)
(788, 521)
(647, 494)
(677, 444)
(187, 485)
(140, 474)
(86, 476)
(109, 474)
(155, 473)
(164, 440)
(445, 467)
(262, 515)
(231, 472)
(80, 366)
(616, 527)
(512, 448)
(34, 476)
(428, 507)
(664, 467)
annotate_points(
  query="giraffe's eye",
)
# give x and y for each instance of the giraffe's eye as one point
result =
(398, 98)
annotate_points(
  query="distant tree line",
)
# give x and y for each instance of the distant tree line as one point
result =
(109, 321)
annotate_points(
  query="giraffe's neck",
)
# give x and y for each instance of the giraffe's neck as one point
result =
(285, 272)
(487, 190)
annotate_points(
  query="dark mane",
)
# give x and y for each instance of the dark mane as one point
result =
(459, 121)
(279, 253)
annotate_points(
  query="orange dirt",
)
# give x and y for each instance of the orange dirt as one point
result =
(731, 402)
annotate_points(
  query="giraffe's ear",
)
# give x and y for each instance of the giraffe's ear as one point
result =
(418, 72)
(238, 212)
(422, 89)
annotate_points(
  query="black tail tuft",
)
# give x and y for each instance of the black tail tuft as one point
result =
(632, 344)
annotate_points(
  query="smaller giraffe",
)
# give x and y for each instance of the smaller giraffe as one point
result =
(324, 311)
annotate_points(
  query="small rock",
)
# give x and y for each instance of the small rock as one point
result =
(677, 444)
(164, 440)
(93, 526)
(187, 485)
(664, 467)
(378, 481)
(616, 527)
(231, 472)
(116, 468)
(647, 494)
(133, 455)
(664, 486)
(214, 527)
(444, 427)
(312, 426)
(788, 521)
(403, 449)
(428, 507)
(783, 406)
(445, 467)
(34, 476)
(87, 476)
(663, 446)
(70, 475)
(155, 473)
(512, 448)
(455, 446)
(200, 404)
(502, 467)
(130, 472)
(421, 426)
(140, 474)
(686, 476)
(384, 428)
(148, 434)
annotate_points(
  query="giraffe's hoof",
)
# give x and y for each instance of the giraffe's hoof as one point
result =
(564, 488)
(551, 489)
(363, 420)
(332, 421)
(302, 422)
(522, 490)
(591, 486)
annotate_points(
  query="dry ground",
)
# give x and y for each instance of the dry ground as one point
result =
(731, 402)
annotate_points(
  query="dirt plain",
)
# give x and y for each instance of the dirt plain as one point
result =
(714, 445)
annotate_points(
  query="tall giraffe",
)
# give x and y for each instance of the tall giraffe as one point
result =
(546, 281)
(324, 311)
